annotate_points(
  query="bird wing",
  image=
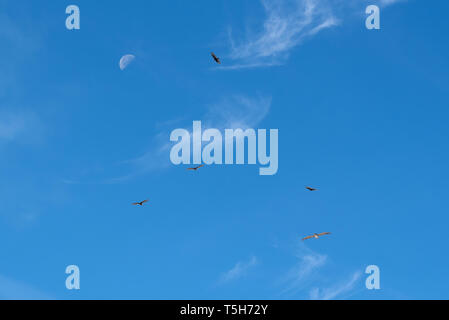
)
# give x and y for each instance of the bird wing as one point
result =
(306, 238)
(200, 166)
(135, 203)
(215, 57)
(145, 201)
(323, 234)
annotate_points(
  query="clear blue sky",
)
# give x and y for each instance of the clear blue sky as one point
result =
(362, 115)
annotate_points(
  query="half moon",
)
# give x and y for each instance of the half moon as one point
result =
(125, 61)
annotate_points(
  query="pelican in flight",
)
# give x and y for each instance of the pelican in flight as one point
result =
(140, 203)
(316, 235)
(196, 168)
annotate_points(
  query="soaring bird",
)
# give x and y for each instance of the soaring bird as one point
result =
(217, 60)
(196, 168)
(311, 189)
(140, 203)
(316, 235)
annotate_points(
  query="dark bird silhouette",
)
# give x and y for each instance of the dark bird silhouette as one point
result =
(217, 60)
(196, 168)
(311, 189)
(140, 203)
(316, 235)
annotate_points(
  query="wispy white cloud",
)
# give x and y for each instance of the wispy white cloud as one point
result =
(11, 289)
(287, 24)
(389, 2)
(309, 276)
(239, 270)
(21, 38)
(11, 126)
(303, 271)
(19, 43)
(337, 291)
(237, 111)
(23, 126)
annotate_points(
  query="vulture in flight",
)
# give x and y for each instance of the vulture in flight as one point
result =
(217, 60)
(140, 203)
(196, 168)
(311, 189)
(316, 235)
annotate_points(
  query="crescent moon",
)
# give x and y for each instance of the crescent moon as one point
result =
(125, 61)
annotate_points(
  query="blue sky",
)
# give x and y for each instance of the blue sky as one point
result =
(362, 115)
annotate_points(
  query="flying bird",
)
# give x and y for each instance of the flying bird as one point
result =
(311, 189)
(217, 60)
(196, 168)
(316, 235)
(140, 203)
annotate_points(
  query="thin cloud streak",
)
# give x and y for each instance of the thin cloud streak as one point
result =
(302, 273)
(11, 127)
(13, 290)
(286, 25)
(240, 269)
(19, 44)
(237, 111)
(390, 2)
(19, 126)
(233, 112)
(336, 291)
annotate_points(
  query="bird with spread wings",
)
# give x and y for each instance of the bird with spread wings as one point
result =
(316, 235)
(311, 189)
(196, 168)
(217, 60)
(140, 203)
